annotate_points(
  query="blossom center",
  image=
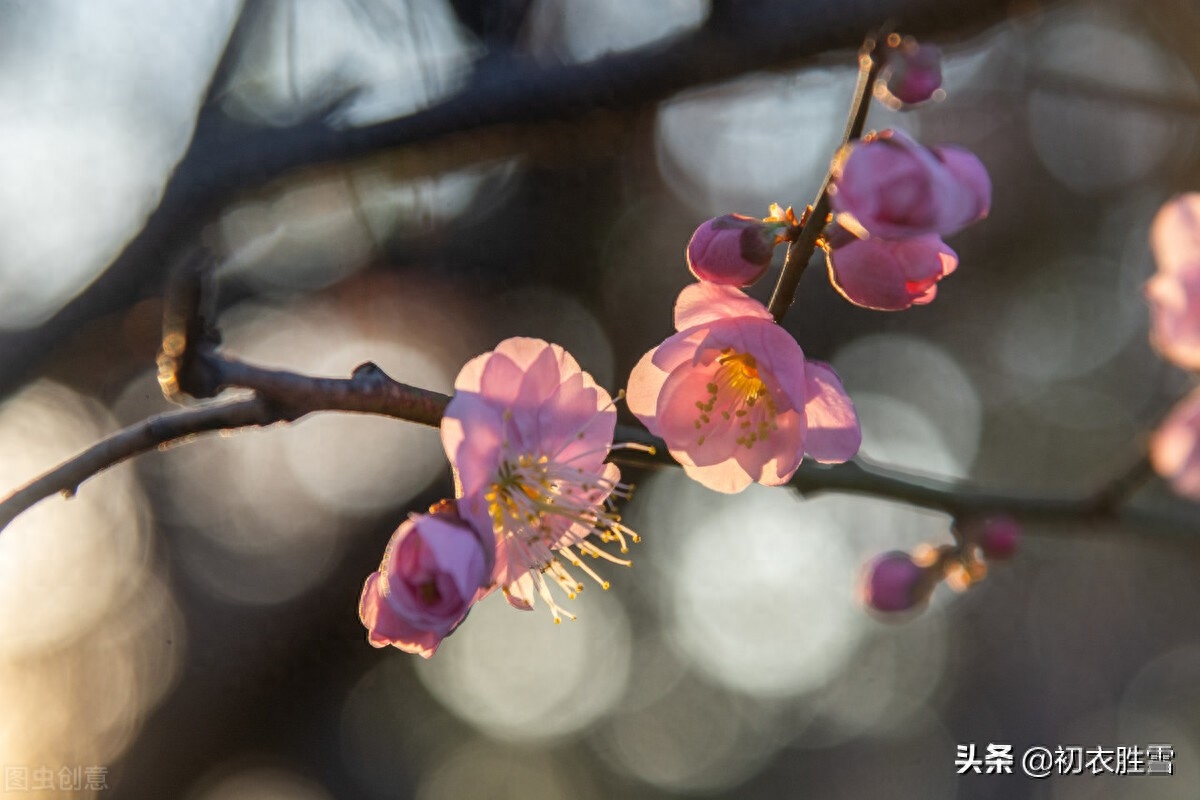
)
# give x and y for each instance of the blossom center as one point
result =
(541, 508)
(738, 394)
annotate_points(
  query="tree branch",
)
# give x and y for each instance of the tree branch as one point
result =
(226, 158)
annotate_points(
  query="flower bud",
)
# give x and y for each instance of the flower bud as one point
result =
(733, 249)
(432, 570)
(894, 582)
(999, 537)
(914, 70)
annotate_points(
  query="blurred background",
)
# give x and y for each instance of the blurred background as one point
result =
(187, 624)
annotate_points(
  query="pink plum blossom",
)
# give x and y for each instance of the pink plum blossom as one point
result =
(890, 275)
(1175, 315)
(1175, 234)
(1175, 447)
(432, 570)
(734, 398)
(1174, 291)
(733, 249)
(527, 433)
(892, 187)
(914, 71)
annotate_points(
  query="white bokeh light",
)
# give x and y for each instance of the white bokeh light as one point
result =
(1089, 144)
(517, 676)
(90, 135)
(581, 30)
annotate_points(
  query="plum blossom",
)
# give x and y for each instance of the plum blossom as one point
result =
(432, 571)
(527, 433)
(733, 248)
(1174, 291)
(892, 187)
(734, 398)
(890, 275)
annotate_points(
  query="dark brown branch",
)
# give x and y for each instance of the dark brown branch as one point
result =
(226, 158)
(286, 396)
(279, 397)
(801, 250)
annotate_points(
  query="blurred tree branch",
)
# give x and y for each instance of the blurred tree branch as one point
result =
(190, 364)
(226, 157)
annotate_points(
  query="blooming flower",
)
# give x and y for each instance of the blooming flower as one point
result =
(1175, 447)
(432, 569)
(734, 398)
(892, 187)
(527, 433)
(890, 275)
(733, 249)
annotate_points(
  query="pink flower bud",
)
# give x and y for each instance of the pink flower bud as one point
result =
(1175, 447)
(999, 537)
(890, 275)
(894, 582)
(894, 188)
(732, 249)
(432, 569)
(914, 71)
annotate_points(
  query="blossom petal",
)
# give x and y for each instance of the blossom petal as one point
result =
(519, 593)
(833, 434)
(647, 379)
(728, 477)
(683, 424)
(386, 628)
(704, 302)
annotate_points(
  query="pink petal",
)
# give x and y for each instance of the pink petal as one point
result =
(727, 477)
(457, 551)
(472, 433)
(647, 379)
(974, 182)
(577, 422)
(772, 462)
(834, 434)
(1175, 447)
(385, 627)
(704, 302)
(678, 414)
(519, 593)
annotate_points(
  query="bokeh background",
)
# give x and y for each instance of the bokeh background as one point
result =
(188, 621)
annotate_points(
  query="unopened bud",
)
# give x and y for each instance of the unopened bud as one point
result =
(733, 249)
(893, 582)
(999, 537)
(914, 70)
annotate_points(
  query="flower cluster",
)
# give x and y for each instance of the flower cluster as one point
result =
(731, 394)
(527, 434)
(1174, 296)
(894, 201)
(898, 583)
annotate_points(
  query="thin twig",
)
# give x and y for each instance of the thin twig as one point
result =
(801, 250)
(286, 396)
